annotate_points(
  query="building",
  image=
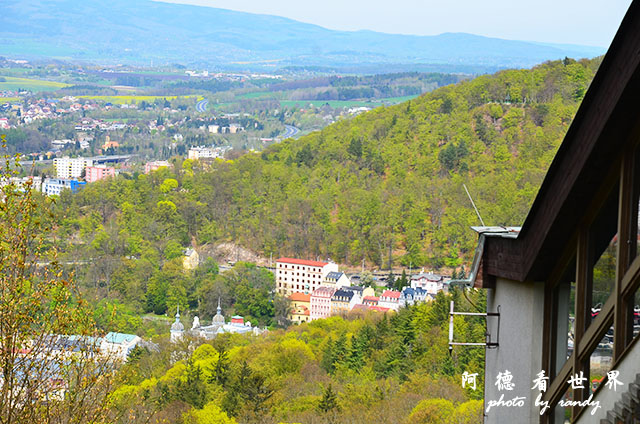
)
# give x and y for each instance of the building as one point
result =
(177, 329)
(300, 308)
(336, 279)
(109, 144)
(155, 165)
(119, 345)
(99, 172)
(343, 301)
(410, 296)
(202, 152)
(191, 259)
(71, 167)
(300, 275)
(54, 186)
(219, 326)
(576, 249)
(370, 300)
(390, 299)
(432, 283)
(320, 301)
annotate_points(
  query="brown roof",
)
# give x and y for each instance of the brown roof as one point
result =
(300, 297)
(301, 262)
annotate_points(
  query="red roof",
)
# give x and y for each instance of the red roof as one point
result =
(378, 308)
(300, 297)
(372, 298)
(391, 293)
(301, 262)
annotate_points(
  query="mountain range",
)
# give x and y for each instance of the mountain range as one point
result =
(141, 31)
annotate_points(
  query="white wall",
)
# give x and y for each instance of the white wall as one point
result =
(520, 350)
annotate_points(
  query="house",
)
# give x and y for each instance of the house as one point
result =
(119, 345)
(191, 259)
(343, 301)
(202, 152)
(155, 165)
(301, 275)
(336, 279)
(577, 248)
(390, 299)
(411, 296)
(99, 172)
(300, 308)
(4, 124)
(54, 186)
(370, 300)
(432, 283)
(320, 301)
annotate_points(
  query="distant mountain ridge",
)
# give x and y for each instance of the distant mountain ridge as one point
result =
(138, 31)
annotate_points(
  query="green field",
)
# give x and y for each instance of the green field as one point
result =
(4, 100)
(135, 99)
(260, 95)
(14, 83)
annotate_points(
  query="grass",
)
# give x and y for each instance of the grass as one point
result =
(15, 83)
(135, 99)
(4, 100)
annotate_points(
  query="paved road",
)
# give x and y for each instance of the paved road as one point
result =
(201, 106)
(290, 131)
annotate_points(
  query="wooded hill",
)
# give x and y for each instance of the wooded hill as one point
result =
(386, 186)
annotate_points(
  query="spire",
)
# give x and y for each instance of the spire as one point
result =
(178, 313)
(219, 310)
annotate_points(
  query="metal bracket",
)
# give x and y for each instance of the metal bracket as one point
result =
(489, 344)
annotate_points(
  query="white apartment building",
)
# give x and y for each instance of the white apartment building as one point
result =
(203, 153)
(67, 167)
(300, 275)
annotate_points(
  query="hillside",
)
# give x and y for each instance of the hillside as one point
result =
(386, 186)
(141, 31)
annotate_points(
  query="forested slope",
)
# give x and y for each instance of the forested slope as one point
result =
(386, 186)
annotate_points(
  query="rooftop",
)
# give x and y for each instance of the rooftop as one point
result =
(301, 262)
(391, 293)
(300, 297)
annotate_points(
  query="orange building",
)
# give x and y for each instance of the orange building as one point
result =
(300, 308)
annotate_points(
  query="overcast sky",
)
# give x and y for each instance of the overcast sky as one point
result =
(587, 22)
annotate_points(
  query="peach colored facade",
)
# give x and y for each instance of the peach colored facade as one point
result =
(95, 173)
(321, 302)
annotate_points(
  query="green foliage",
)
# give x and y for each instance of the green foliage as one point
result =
(329, 401)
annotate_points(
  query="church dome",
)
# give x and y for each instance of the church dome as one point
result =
(177, 326)
(218, 318)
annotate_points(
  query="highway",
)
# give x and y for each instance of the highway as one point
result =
(201, 106)
(289, 132)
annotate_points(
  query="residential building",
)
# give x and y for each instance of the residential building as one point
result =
(202, 152)
(410, 296)
(432, 283)
(390, 299)
(191, 259)
(54, 186)
(119, 345)
(99, 172)
(300, 308)
(573, 267)
(336, 279)
(67, 167)
(370, 300)
(343, 301)
(320, 301)
(155, 165)
(300, 275)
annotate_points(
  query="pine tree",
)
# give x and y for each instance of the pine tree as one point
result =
(327, 356)
(329, 401)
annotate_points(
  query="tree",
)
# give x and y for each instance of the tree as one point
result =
(329, 401)
(42, 380)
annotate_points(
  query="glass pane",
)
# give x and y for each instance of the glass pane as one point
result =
(562, 414)
(604, 277)
(636, 314)
(564, 331)
(601, 360)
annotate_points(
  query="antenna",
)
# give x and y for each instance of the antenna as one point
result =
(473, 204)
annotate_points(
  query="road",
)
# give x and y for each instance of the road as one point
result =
(289, 132)
(201, 106)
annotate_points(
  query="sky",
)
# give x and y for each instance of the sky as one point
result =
(586, 22)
